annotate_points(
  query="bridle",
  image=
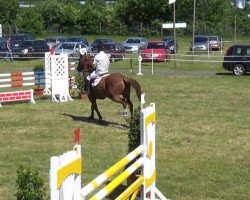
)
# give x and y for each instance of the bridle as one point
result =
(85, 62)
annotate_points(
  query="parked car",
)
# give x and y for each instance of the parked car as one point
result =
(72, 49)
(19, 38)
(2, 49)
(54, 41)
(78, 39)
(170, 44)
(31, 49)
(2, 46)
(99, 41)
(237, 59)
(2, 39)
(134, 44)
(201, 43)
(215, 42)
(157, 50)
(115, 49)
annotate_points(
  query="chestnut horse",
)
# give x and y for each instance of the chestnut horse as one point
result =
(114, 86)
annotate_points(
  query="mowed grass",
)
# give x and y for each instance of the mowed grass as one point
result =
(203, 149)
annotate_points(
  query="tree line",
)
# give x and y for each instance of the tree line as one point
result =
(126, 17)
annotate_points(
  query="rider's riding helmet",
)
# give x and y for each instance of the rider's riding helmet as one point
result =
(100, 47)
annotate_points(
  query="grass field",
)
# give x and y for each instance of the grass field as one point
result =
(202, 131)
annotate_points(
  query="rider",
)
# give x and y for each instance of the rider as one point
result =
(101, 64)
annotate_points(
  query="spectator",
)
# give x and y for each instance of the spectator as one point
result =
(8, 50)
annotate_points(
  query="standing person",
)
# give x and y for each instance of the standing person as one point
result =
(8, 50)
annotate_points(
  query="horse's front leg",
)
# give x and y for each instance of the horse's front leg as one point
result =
(92, 112)
(95, 108)
(92, 108)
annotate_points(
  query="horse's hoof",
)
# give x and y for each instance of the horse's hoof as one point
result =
(90, 118)
(100, 119)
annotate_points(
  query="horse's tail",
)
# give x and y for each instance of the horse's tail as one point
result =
(136, 86)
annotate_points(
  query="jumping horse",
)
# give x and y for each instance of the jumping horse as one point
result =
(114, 86)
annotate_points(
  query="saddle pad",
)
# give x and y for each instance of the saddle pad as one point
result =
(97, 80)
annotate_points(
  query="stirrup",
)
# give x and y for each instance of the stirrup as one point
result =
(125, 113)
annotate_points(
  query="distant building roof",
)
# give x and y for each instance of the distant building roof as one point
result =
(107, 1)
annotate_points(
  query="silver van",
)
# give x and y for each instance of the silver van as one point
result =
(215, 42)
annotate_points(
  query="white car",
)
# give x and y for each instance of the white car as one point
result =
(54, 41)
(134, 44)
(72, 49)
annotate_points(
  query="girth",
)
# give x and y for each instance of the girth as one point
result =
(103, 74)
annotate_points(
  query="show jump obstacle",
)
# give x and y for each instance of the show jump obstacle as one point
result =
(65, 170)
(56, 70)
(55, 78)
(15, 80)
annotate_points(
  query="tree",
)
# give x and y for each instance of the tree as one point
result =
(89, 23)
(124, 17)
(96, 3)
(9, 10)
(29, 21)
(63, 15)
(68, 18)
(214, 20)
(131, 11)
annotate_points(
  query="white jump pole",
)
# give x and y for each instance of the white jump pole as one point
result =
(152, 62)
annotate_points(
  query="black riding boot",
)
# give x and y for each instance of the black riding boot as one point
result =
(87, 87)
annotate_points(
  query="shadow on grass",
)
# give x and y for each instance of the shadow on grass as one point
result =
(228, 74)
(117, 191)
(96, 121)
(223, 74)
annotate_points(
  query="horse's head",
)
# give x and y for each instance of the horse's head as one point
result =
(85, 64)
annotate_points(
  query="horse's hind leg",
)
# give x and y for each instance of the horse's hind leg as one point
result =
(130, 105)
(126, 96)
(122, 101)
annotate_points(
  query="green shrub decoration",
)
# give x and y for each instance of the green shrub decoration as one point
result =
(134, 134)
(30, 185)
(80, 83)
(38, 67)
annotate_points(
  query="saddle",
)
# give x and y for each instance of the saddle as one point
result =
(95, 82)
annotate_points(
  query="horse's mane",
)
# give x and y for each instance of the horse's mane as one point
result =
(89, 60)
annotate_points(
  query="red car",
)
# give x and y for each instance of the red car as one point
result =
(156, 50)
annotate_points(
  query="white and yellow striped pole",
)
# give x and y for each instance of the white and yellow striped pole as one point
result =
(148, 119)
(111, 171)
(118, 180)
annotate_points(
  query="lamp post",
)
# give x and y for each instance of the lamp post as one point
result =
(194, 25)
(174, 35)
(235, 24)
(1, 32)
